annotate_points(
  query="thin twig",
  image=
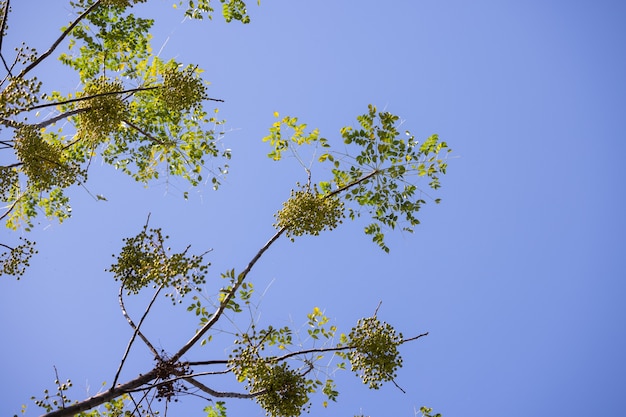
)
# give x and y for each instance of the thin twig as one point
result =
(65, 115)
(59, 39)
(352, 184)
(143, 132)
(136, 332)
(222, 307)
(398, 386)
(60, 394)
(11, 207)
(2, 28)
(212, 362)
(77, 99)
(219, 394)
(377, 307)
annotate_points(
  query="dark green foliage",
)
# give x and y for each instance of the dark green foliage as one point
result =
(391, 166)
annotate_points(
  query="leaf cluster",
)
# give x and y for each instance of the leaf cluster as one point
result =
(378, 173)
(390, 164)
(141, 114)
(231, 10)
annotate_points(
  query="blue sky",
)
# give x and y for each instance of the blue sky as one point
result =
(518, 274)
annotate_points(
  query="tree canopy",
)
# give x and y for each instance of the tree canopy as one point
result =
(149, 117)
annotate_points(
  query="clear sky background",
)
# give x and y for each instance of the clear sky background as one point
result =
(518, 274)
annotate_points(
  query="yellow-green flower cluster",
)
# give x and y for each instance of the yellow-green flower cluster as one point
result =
(104, 113)
(308, 212)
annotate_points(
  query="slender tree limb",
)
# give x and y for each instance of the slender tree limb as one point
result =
(222, 307)
(59, 39)
(11, 207)
(84, 98)
(60, 393)
(398, 386)
(242, 276)
(212, 362)
(414, 337)
(65, 115)
(10, 123)
(377, 307)
(9, 73)
(128, 92)
(5, 15)
(135, 328)
(143, 132)
(105, 396)
(219, 394)
(352, 184)
(137, 383)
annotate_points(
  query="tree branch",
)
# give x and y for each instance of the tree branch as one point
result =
(352, 184)
(65, 115)
(59, 39)
(222, 307)
(143, 132)
(11, 207)
(77, 99)
(5, 16)
(219, 394)
(104, 397)
(136, 328)
(136, 384)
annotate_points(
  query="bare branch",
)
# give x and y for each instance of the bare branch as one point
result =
(242, 276)
(212, 362)
(56, 374)
(398, 386)
(59, 39)
(10, 123)
(377, 307)
(352, 184)
(5, 16)
(222, 307)
(143, 132)
(104, 397)
(219, 394)
(65, 115)
(414, 337)
(136, 328)
(11, 207)
(84, 98)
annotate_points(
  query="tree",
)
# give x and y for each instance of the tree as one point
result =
(147, 117)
